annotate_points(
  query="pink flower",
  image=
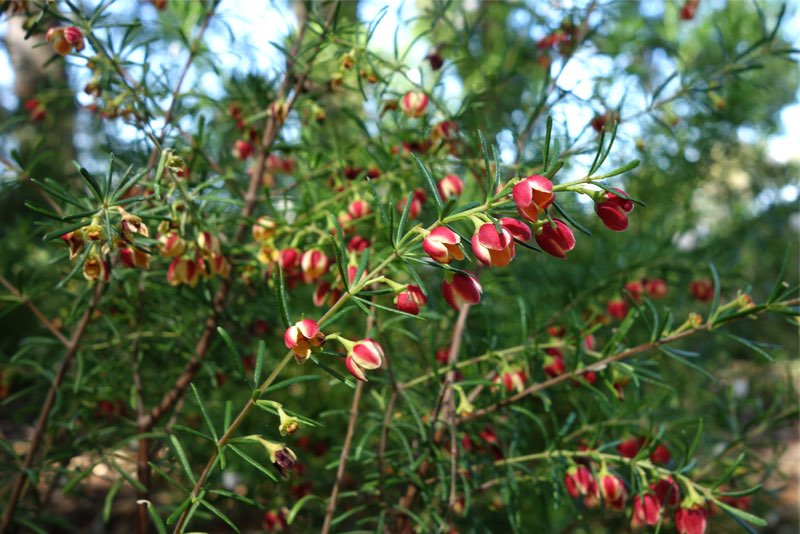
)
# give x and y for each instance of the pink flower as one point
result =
(358, 209)
(513, 380)
(367, 354)
(617, 308)
(612, 488)
(410, 300)
(660, 455)
(656, 288)
(646, 511)
(450, 186)
(461, 290)
(702, 290)
(303, 338)
(613, 210)
(693, 520)
(314, 264)
(556, 241)
(442, 244)
(630, 447)
(493, 248)
(358, 244)
(532, 196)
(414, 104)
(242, 149)
(580, 483)
(667, 491)
(553, 363)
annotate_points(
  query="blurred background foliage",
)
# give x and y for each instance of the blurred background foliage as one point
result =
(716, 189)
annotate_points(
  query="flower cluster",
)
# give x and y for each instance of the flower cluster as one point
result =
(191, 260)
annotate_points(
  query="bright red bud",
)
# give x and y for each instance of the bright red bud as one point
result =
(556, 241)
(461, 290)
(532, 196)
(613, 210)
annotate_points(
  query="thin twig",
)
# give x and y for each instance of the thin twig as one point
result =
(47, 323)
(348, 441)
(18, 489)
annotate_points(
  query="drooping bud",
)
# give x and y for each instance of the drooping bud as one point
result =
(414, 103)
(442, 245)
(359, 208)
(555, 240)
(366, 354)
(314, 264)
(410, 300)
(450, 186)
(581, 484)
(493, 248)
(656, 288)
(617, 308)
(532, 196)
(171, 244)
(75, 242)
(95, 268)
(460, 290)
(242, 149)
(646, 511)
(612, 488)
(702, 290)
(691, 519)
(288, 425)
(613, 210)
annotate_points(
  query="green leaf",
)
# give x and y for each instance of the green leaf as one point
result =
(237, 359)
(176, 445)
(167, 477)
(430, 182)
(219, 514)
(717, 289)
(280, 294)
(90, 181)
(401, 226)
(204, 412)
(299, 505)
(570, 220)
(381, 208)
(289, 381)
(388, 309)
(548, 132)
(157, 522)
(55, 234)
(109, 500)
(741, 514)
(749, 344)
(335, 374)
(261, 356)
(193, 432)
(485, 152)
(252, 462)
(362, 265)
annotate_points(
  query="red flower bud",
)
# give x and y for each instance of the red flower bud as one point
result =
(702, 290)
(410, 300)
(450, 186)
(660, 455)
(667, 491)
(617, 308)
(367, 354)
(442, 245)
(612, 488)
(580, 483)
(358, 209)
(461, 290)
(630, 447)
(656, 288)
(613, 210)
(358, 244)
(314, 264)
(556, 241)
(74, 37)
(553, 364)
(693, 520)
(242, 149)
(171, 244)
(532, 196)
(646, 511)
(414, 103)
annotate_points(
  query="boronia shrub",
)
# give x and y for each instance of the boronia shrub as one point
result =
(439, 267)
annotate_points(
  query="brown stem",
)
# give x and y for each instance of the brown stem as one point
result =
(444, 399)
(348, 440)
(72, 345)
(47, 323)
